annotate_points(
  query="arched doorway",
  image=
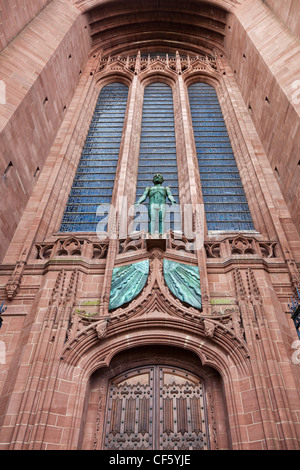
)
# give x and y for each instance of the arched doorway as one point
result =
(156, 407)
(155, 399)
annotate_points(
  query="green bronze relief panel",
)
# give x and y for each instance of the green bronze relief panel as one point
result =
(127, 282)
(183, 280)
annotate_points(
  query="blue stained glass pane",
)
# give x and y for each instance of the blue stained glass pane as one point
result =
(219, 163)
(94, 167)
(95, 192)
(82, 227)
(219, 207)
(225, 202)
(157, 146)
(90, 199)
(81, 208)
(94, 180)
(230, 226)
(222, 184)
(221, 198)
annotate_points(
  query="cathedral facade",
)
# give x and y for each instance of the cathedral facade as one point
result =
(149, 225)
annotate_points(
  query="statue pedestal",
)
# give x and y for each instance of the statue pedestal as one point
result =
(156, 241)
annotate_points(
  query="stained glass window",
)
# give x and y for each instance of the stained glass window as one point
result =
(157, 146)
(225, 202)
(154, 55)
(95, 176)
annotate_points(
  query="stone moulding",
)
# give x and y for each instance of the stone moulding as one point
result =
(99, 342)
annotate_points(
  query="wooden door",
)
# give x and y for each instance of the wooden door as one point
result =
(157, 407)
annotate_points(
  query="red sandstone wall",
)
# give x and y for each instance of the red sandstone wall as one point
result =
(15, 15)
(288, 11)
(41, 69)
(266, 72)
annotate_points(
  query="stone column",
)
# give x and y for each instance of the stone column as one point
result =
(199, 226)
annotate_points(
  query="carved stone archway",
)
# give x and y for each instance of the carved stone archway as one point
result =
(91, 359)
(158, 398)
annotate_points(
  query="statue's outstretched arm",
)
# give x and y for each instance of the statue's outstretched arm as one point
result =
(143, 197)
(170, 197)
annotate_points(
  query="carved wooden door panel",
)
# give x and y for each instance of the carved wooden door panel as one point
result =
(159, 407)
(129, 414)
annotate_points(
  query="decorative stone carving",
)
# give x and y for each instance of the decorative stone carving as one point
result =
(100, 250)
(240, 290)
(255, 296)
(138, 241)
(133, 243)
(200, 64)
(156, 303)
(242, 246)
(58, 289)
(45, 251)
(268, 249)
(71, 292)
(214, 437)
(101, 328)
(213, 250)
(181, 243)
(293, 270)
(14, 281)
(179, 64)
(209, 328)
(72, 246)
(98, 419)
(116, 64)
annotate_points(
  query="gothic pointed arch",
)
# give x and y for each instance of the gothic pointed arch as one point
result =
(161, 311)
(164, 400)
(96, 348)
